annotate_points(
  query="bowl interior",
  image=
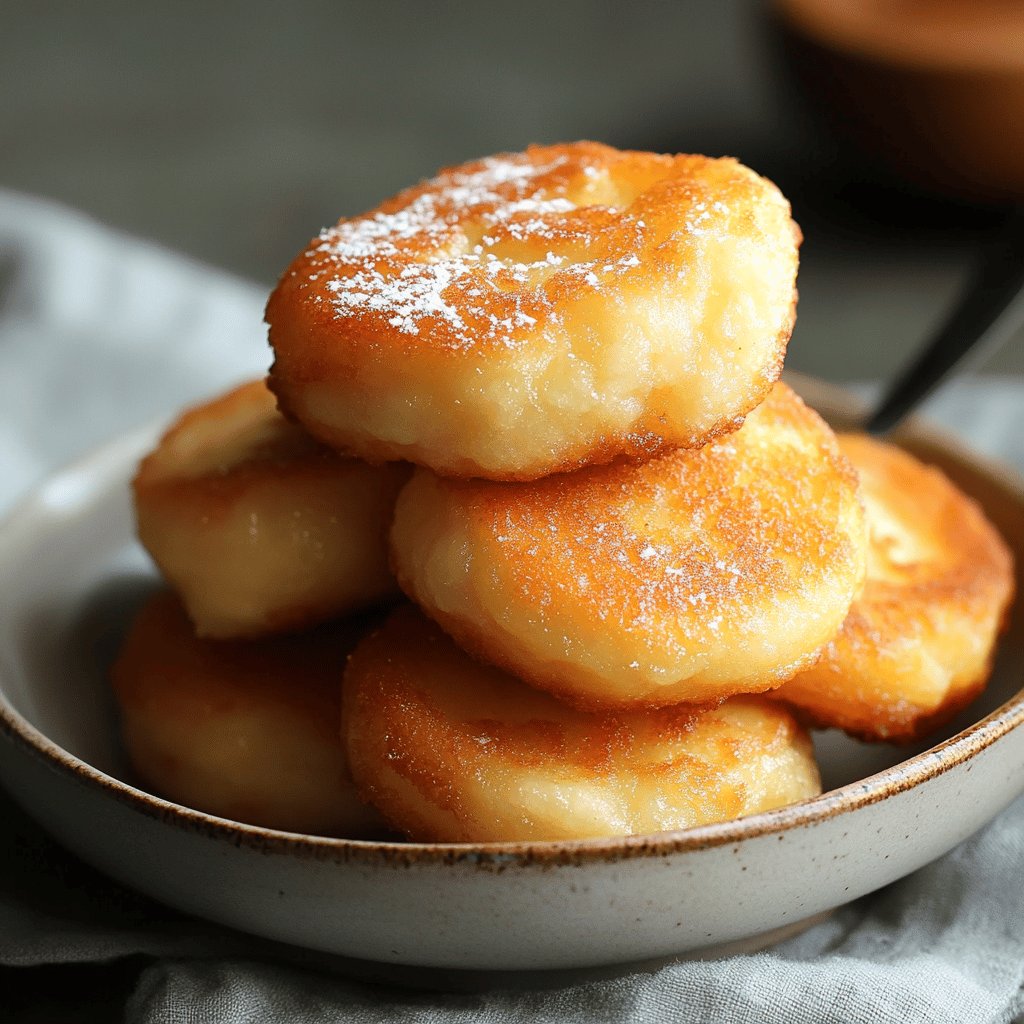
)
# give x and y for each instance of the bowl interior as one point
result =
(72, 589)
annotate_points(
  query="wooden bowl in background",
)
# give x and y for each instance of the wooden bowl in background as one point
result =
(932, 89)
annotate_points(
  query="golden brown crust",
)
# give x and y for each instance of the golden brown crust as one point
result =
(694, 576)
(243, 729)
(260, 527)
(631, 301)
(917, 644)
(452, 751)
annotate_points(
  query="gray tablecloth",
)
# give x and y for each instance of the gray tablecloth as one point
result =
(99, 332)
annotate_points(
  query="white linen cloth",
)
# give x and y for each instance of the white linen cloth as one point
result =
(99, 332)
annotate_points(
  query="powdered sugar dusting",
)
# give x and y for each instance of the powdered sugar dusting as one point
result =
(688, 549)
(445, 263)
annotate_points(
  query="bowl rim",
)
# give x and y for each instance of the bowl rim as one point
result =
(105, 466)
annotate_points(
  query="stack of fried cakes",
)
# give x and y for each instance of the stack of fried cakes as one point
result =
(538, 396)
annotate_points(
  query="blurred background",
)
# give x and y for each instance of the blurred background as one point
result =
(232, 132)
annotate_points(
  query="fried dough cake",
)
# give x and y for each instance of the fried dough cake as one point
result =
(244, 729)
(918, 642)
(259, 527)
(698, 575)
(453, 751)
(536, 312)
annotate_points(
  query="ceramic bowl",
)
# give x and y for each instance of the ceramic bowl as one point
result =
(73, 573)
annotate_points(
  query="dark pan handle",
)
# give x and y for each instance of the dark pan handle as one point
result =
(989, 312)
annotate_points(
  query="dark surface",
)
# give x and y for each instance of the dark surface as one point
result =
(68, 994)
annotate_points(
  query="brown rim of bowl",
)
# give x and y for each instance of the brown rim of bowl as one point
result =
(899, 778)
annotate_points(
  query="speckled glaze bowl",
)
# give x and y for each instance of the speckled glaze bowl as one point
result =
(72, 574)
